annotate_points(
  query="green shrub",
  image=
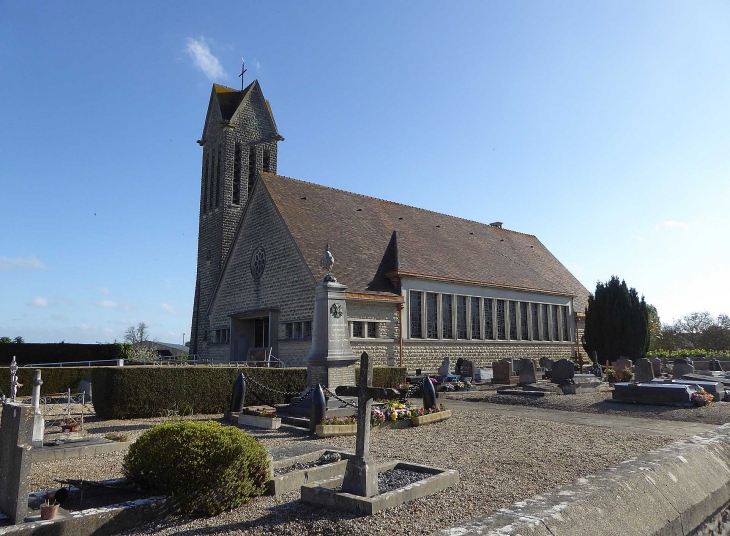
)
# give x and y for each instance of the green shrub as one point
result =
(207, 468)
(689, 352)
(151, 391)
(385, 376)
(613, 376)
(55, 379)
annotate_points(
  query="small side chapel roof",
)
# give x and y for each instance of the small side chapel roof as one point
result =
(372, 239)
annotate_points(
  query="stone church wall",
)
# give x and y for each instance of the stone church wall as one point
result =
(286, 283)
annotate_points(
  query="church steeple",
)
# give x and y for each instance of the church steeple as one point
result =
(239, 139)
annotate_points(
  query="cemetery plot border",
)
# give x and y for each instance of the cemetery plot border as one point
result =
(294, 480)
(327, 493)
(431, 418)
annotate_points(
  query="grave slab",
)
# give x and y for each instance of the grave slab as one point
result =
(652, 393)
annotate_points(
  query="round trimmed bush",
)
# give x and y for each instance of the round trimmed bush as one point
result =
(206, 467)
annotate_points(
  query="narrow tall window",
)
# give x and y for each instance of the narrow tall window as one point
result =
(566, 330)
(251, 168)
(373, 330)
(545, 329)
(203, 206)
(524, 306)
(357, 330)
(488, 319)
(218, 180)
(267, 160)
(535, 323)
(476, 324)
(501, 335)
(448, 324)
(556, 332)
(237, 175)
(307, 330)
(415, 308)
(512, 320)
(209, 200)
(461, 317)
(432, 326)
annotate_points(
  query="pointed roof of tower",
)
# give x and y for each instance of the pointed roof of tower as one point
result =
(229, 99)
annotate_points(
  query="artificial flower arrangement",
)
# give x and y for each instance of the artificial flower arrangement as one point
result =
(339, 421)
(261, 412)
(614, 376)
(701, 397)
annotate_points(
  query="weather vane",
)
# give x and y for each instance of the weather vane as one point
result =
(243, 70)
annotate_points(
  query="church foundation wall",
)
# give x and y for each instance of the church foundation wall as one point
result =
(428, 356)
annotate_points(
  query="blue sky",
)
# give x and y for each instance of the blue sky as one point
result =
(600, 127)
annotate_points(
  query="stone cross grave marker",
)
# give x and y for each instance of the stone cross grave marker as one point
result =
(361, 474)
(13, 380)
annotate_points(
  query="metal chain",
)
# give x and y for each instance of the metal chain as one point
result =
(285, 393)
(333, 395)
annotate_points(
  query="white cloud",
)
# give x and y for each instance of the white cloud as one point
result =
(672, 224)
(203, 59)
(111, 304)
(101, 290)
(30, 263)
(38, 302)
(166, 307)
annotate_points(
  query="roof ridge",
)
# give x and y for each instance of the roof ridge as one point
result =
(396, 203)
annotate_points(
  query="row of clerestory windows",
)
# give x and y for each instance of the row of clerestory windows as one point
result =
(213, 175)
(434, 315)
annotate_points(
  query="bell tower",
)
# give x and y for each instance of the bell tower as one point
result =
(239, 139)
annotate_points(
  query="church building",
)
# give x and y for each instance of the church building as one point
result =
(420, 285)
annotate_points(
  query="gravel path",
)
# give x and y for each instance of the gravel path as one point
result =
(500, 460)
(715, 413)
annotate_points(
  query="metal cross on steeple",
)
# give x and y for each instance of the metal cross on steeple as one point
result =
(243, 70)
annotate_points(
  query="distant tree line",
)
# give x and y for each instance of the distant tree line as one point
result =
(699, 330)
(8, 340)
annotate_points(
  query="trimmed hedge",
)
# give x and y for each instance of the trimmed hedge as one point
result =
(206, 467)
(27, 353)
(152, 391)
(55, 379)
(385, 376)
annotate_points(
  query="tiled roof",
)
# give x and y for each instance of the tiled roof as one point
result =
(370, 238)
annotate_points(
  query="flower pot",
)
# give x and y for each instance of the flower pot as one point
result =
(49, 511)
(431, 418)
(336, 430)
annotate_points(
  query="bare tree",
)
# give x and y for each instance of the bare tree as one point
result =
(136, 334)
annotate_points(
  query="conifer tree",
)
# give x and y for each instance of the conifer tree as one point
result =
(617, 322)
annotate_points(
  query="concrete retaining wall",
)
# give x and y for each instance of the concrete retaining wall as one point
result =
(680, 489)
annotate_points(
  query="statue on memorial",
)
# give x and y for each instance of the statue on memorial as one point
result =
(327, 262)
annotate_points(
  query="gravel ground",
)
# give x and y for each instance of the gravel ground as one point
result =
(500, 460)
(715, 413)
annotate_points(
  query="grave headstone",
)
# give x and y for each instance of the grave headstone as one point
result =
(528, 371)
(644, 371)
(501, 371)
(621, 364)
(656, 365)
(457, 368)
(445, 367)
(563, 371)
(361, 474)
(467, 368)
(546, 363)
(482, 374)
(16, 451)
(715, 365)
(682, 367)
